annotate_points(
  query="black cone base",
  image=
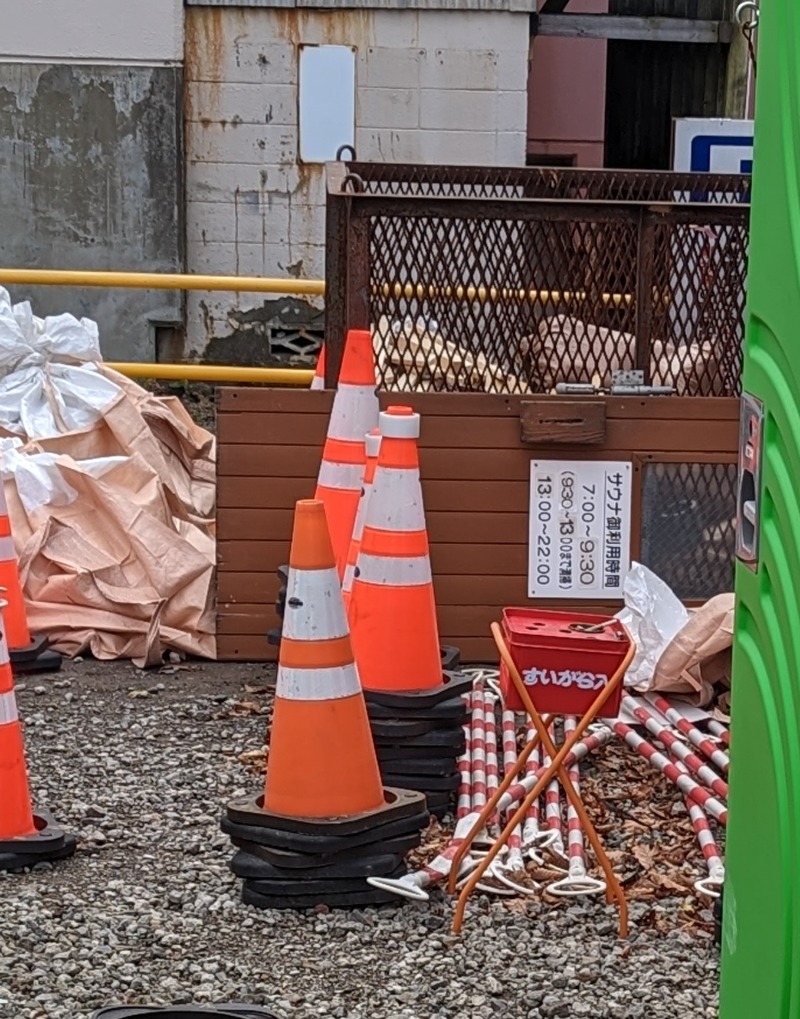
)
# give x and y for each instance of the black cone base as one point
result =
(48, 845)
(299, 863)
(419, 737)
(36, 657)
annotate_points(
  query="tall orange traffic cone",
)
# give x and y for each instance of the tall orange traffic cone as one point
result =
(26, 837)
(372, 445)
(318, 382)
(392, 607)
(322, 761)
(27, 654)
(355, 412)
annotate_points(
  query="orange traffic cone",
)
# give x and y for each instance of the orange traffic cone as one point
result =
(392, 607)
(355, 412)
(16, 813)
(322, 762)
(372, 444)
(27, 655)
(26, 837)
(318, 382)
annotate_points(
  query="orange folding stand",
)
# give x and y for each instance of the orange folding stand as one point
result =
(608, 695)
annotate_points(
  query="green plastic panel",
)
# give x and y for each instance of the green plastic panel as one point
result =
(761, 928)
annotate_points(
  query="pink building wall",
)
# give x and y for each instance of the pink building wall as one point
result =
(567, 94)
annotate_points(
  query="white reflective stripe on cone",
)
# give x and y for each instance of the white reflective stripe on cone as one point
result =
(399, 426)
(395, 502)
(355, 412)
(346, 476)
(317, 684)
(7, 550)
(319, 614)
(318, 382)
(394, 571)
(349, 576)
(8, 708)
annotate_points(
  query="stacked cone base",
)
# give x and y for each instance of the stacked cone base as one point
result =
(49, 844)
(36, 657)
(419, 738)
(299, 863)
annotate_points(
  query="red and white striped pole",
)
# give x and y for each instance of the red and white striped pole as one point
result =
(577, 882)
(683, 781)
(492, 763)
(414, 885)
(518, 791)
(716, 869)
(552, 805)
(693, 734)
(511, 871)
(533, 838)
(477, 751)
(718, 729)
(677, 748)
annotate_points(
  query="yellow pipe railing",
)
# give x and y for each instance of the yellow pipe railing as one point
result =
(484, 294)
(214, 373)
(159, 281)
(259, 285)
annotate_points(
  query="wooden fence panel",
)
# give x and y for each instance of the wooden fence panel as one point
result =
(475, 472)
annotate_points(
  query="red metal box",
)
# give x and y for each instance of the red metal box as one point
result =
(565, 659)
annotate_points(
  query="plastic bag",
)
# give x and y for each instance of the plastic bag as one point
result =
(48, 381)
(653, 616)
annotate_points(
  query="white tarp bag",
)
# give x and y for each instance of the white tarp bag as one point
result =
(47, 387)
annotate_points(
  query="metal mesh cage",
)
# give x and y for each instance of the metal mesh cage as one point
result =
(688, 526)
(516, 280)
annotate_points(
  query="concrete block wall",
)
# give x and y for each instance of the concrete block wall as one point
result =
(433, 86)
(90, 149)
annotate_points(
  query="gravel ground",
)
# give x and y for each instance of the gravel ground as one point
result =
(148, 911)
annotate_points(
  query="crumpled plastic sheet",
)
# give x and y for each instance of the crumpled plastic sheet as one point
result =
(677, 651)
(111, 494)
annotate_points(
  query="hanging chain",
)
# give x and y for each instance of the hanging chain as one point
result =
(747, 15)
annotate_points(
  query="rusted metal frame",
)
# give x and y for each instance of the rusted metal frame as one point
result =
(554, 210)
(641, 185)
(645, 271)
(337, 244)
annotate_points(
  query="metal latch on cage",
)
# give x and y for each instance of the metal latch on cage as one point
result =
(623, 383)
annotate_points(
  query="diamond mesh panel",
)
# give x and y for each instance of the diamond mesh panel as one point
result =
(688, 526)
(515, 280)
(549, 182)
(699, 285)
(501, 305)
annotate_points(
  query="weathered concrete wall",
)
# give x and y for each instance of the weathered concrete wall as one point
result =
(91, 179)
(433, 86)
(89, 30)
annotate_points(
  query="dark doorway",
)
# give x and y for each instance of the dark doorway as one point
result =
(649, 84)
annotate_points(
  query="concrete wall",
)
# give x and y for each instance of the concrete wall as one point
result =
(90, 150)
(439, 86)
(150, 31)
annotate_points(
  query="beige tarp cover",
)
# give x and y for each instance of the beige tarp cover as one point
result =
(117, 556)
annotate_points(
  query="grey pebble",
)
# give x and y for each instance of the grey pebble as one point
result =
(148, 912)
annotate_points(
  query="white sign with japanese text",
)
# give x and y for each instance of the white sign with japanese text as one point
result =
(580, 528)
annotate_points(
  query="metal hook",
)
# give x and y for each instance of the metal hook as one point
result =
(748, 7)
(356, 182)
(341, 151)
